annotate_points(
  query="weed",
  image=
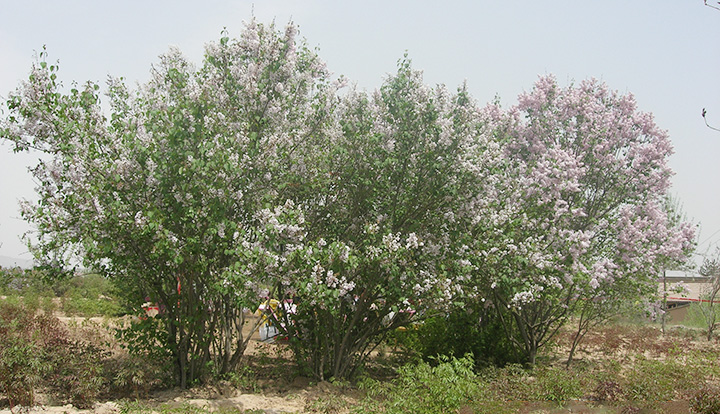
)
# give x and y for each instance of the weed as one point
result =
(329, 404)
(651, 381)
(133, 407)
(608, 391)
(557, 385)
(510, 383)
(137, 374)
(706, 400)
(244, 378)
(446, 387)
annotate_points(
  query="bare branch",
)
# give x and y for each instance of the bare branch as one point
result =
(704, 112)
(710, 5)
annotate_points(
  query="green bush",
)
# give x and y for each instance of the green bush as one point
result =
(458, 333)
(88, 295)
(135, 375)
(453, 386)
(423, 388)
(87, 307)
(23, 282)
(145, 337)
(37, 350)
(85, 295)
(22, 359)
(20, 371)
(695, 317)
(89, 285)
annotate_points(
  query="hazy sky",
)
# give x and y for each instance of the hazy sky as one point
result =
(665, 52)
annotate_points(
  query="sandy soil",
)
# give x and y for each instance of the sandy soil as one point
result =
(291, 403)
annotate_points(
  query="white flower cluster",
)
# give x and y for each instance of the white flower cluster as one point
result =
(272, 218)
(391, 242)
(412, 242)
(344, 254)
(522, 298)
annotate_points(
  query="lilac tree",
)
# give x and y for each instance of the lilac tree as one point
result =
(379, 227)
(161, 195)
(576, 216)
(208, 189)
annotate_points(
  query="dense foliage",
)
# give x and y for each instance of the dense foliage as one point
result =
(209, 190)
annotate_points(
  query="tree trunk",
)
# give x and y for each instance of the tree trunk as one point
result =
(664, 300)
(532, 353)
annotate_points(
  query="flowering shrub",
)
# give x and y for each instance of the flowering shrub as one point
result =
(160, 195)
(362, 249)
(210, 189)
(379, 228)
(577, 218)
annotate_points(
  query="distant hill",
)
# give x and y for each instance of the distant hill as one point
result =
(6, 261)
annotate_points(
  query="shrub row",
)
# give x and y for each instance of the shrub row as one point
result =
(86, 295)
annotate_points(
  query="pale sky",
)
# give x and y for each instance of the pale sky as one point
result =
(664, 52)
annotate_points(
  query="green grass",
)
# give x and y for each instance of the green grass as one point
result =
(694, 317)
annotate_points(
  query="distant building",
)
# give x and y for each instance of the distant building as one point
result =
(695, 286)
